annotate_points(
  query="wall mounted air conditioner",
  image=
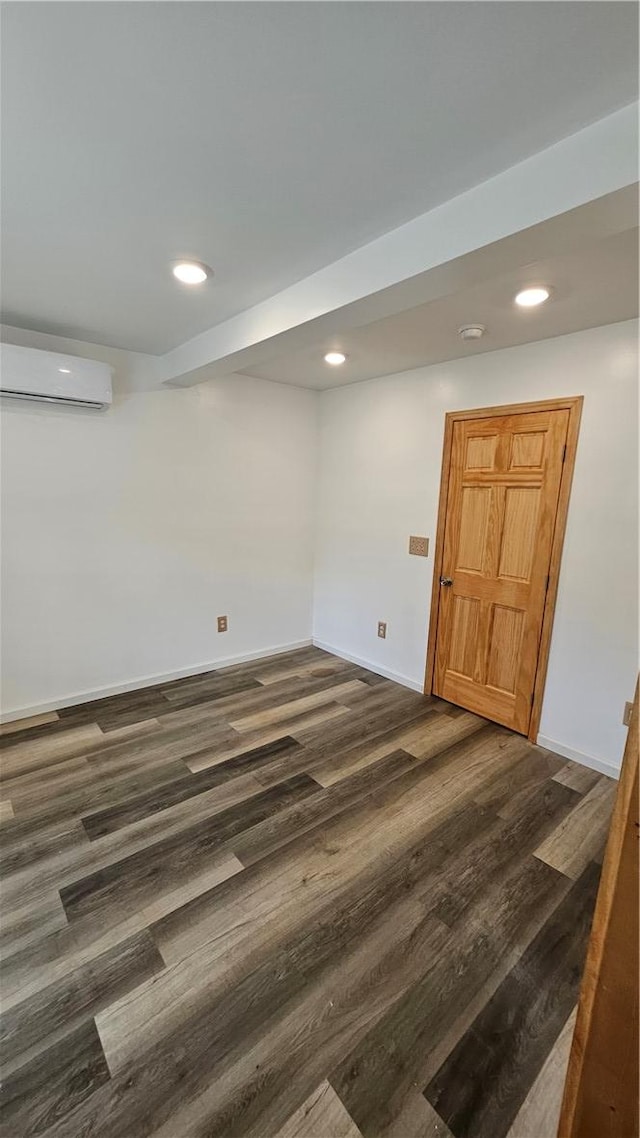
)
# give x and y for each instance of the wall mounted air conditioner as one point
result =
(48, 377)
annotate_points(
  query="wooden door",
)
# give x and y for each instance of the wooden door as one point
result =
(503, 489)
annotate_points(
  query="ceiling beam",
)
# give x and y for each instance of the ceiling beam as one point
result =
(427, 257)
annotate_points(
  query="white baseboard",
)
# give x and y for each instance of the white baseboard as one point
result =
(600, 765)
(370, 666)
(146, 682)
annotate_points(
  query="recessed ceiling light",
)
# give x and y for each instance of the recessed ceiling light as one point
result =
(191, 272)
(529, 297)
(335, 358)
(65, 370)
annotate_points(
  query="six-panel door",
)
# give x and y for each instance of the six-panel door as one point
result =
(504, 482)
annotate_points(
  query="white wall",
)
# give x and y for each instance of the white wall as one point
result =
(380, 455)
(126, 533)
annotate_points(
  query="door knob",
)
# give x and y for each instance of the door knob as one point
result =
(446, 581)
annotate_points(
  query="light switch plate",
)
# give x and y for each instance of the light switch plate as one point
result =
(382, 629)
(626, 718)
(419, 546)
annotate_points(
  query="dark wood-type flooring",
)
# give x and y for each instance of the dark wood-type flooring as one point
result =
(288, 899)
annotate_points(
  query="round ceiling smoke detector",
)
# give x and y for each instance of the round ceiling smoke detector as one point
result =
(471, 331)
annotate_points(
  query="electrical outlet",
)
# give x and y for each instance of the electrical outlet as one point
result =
(419, 546)
(626, 718)
(382, 629)
(223, 624)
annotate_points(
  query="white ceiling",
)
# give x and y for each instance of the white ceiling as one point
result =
(597, 284)
(266, 139)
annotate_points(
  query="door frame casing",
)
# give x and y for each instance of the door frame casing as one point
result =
(572, 404)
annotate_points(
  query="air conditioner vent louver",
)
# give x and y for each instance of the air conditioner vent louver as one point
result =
(49, 377)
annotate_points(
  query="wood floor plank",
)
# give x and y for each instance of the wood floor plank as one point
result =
(53, 957)
(63, 775)
(177, 742)
(43, 730)
(374, 1079)
(319, 717)
(334, 667)
(366, 781)
(418, 1119)
(293, 708)
(268, 835)
(31, 885)
(166, 864)
(505, 841)
(21, 925)
(28, 723)
(454, 901)
(391, 709)
(158, 798)
(580, 837)
(506, 795)
(144, 727)
(27, 844)
(35, 754)
(359, 694)
(117, 710)
(293, 680)
(78, 996)
(215, 686)
(432, 734)
(6, 810)
(483, 1084)
(322, 1115)
(46, 1091)
(213, 689)
(578, 778)
(72, 789)
(255, 699)
(540, 1111)
(104, 768)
